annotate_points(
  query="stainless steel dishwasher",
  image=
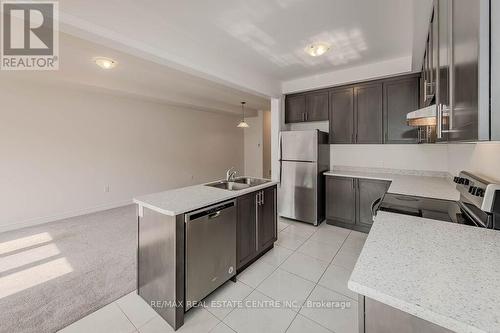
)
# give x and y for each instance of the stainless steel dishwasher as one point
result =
(210, 249)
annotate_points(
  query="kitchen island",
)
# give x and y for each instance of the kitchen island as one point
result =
(447, 274)
(193, 239)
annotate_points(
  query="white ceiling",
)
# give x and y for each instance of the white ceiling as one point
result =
(212, 54)
(253, 44)
(140, 78)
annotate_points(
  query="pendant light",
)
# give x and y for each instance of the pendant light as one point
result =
(243, 123)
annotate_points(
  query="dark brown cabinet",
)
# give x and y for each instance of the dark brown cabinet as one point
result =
(368, 190)
(341, 200)
(266, 219)
(295, 108)
(401, 96)
(317, 106)
(356, 114)
(256, 225)
(342, 115)
(368, 113)
(246, 230)
(349, 201)
(307, 107)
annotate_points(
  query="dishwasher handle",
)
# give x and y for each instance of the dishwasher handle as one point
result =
(211, 212)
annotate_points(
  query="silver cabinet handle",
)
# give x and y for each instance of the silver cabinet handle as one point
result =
(439, 129)
(452, 70)
(262, 196)
(257, 223)
(425, 90)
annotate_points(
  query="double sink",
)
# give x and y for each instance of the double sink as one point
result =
(238, 183)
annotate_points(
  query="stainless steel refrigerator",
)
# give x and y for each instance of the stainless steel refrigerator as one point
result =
(304, 156)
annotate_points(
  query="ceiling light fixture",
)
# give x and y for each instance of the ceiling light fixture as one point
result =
(243, 123)
(105, 63)
(317, 49)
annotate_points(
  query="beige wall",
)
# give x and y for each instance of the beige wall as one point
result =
(253, 137)
(61, 147)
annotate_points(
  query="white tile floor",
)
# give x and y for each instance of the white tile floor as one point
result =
(308, 264)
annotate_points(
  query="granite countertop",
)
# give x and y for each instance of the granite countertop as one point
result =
(186, 199)
(423, 184)
(445, 273)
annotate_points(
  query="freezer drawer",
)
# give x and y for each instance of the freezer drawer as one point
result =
(298, 191)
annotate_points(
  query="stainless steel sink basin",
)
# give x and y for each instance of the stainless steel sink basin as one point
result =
(238, 184)
(251, 181)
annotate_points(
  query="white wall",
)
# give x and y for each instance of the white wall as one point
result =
(406, 157)
(60, 147)
(480, 158)
(253, 138)
(266, 145)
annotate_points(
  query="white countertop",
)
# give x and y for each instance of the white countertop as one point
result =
(415, 185)
(445, 273)
(186, 199)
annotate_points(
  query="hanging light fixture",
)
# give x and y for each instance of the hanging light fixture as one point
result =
(243, 123)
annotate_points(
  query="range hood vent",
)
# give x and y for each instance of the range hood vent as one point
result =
(423, 117)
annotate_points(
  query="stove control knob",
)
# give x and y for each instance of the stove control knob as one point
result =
(456, 179)
(480, 192)
(466, 182)
(472, 190)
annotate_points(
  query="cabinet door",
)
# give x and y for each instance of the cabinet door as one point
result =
(246, 229)
(295, 109)
(317, 106)
(267, 222)
(400, 97)
(340, 200)
(369, 190)
(368, 106)
(341, 115)
(464, 121)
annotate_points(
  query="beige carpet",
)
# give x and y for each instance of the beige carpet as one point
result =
(56, 273)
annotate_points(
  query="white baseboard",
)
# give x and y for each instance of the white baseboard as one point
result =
(65, 215)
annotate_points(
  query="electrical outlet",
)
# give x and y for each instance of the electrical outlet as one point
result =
(106, 188)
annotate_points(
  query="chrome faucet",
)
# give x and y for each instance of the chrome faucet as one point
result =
(231, 174)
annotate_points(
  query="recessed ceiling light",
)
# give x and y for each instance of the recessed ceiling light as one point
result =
(317, 49)
(105, 63)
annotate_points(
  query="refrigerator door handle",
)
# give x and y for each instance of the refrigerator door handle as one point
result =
(280, 150)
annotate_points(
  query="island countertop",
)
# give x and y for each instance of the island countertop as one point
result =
(445, 273)
(186, 199)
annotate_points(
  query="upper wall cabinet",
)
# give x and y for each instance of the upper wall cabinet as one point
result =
(295, 108)
(311, 106)
(401, 96)
(374, 112)
(459, 32)
(342, 126)
(356, 114)
(368, 113)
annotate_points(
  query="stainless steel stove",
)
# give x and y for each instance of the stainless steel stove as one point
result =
(479, 203)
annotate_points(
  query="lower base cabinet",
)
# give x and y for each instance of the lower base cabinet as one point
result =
(381, 318)
(349, 201)
(257, 225)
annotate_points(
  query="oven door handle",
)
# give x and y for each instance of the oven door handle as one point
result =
(375, 207)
